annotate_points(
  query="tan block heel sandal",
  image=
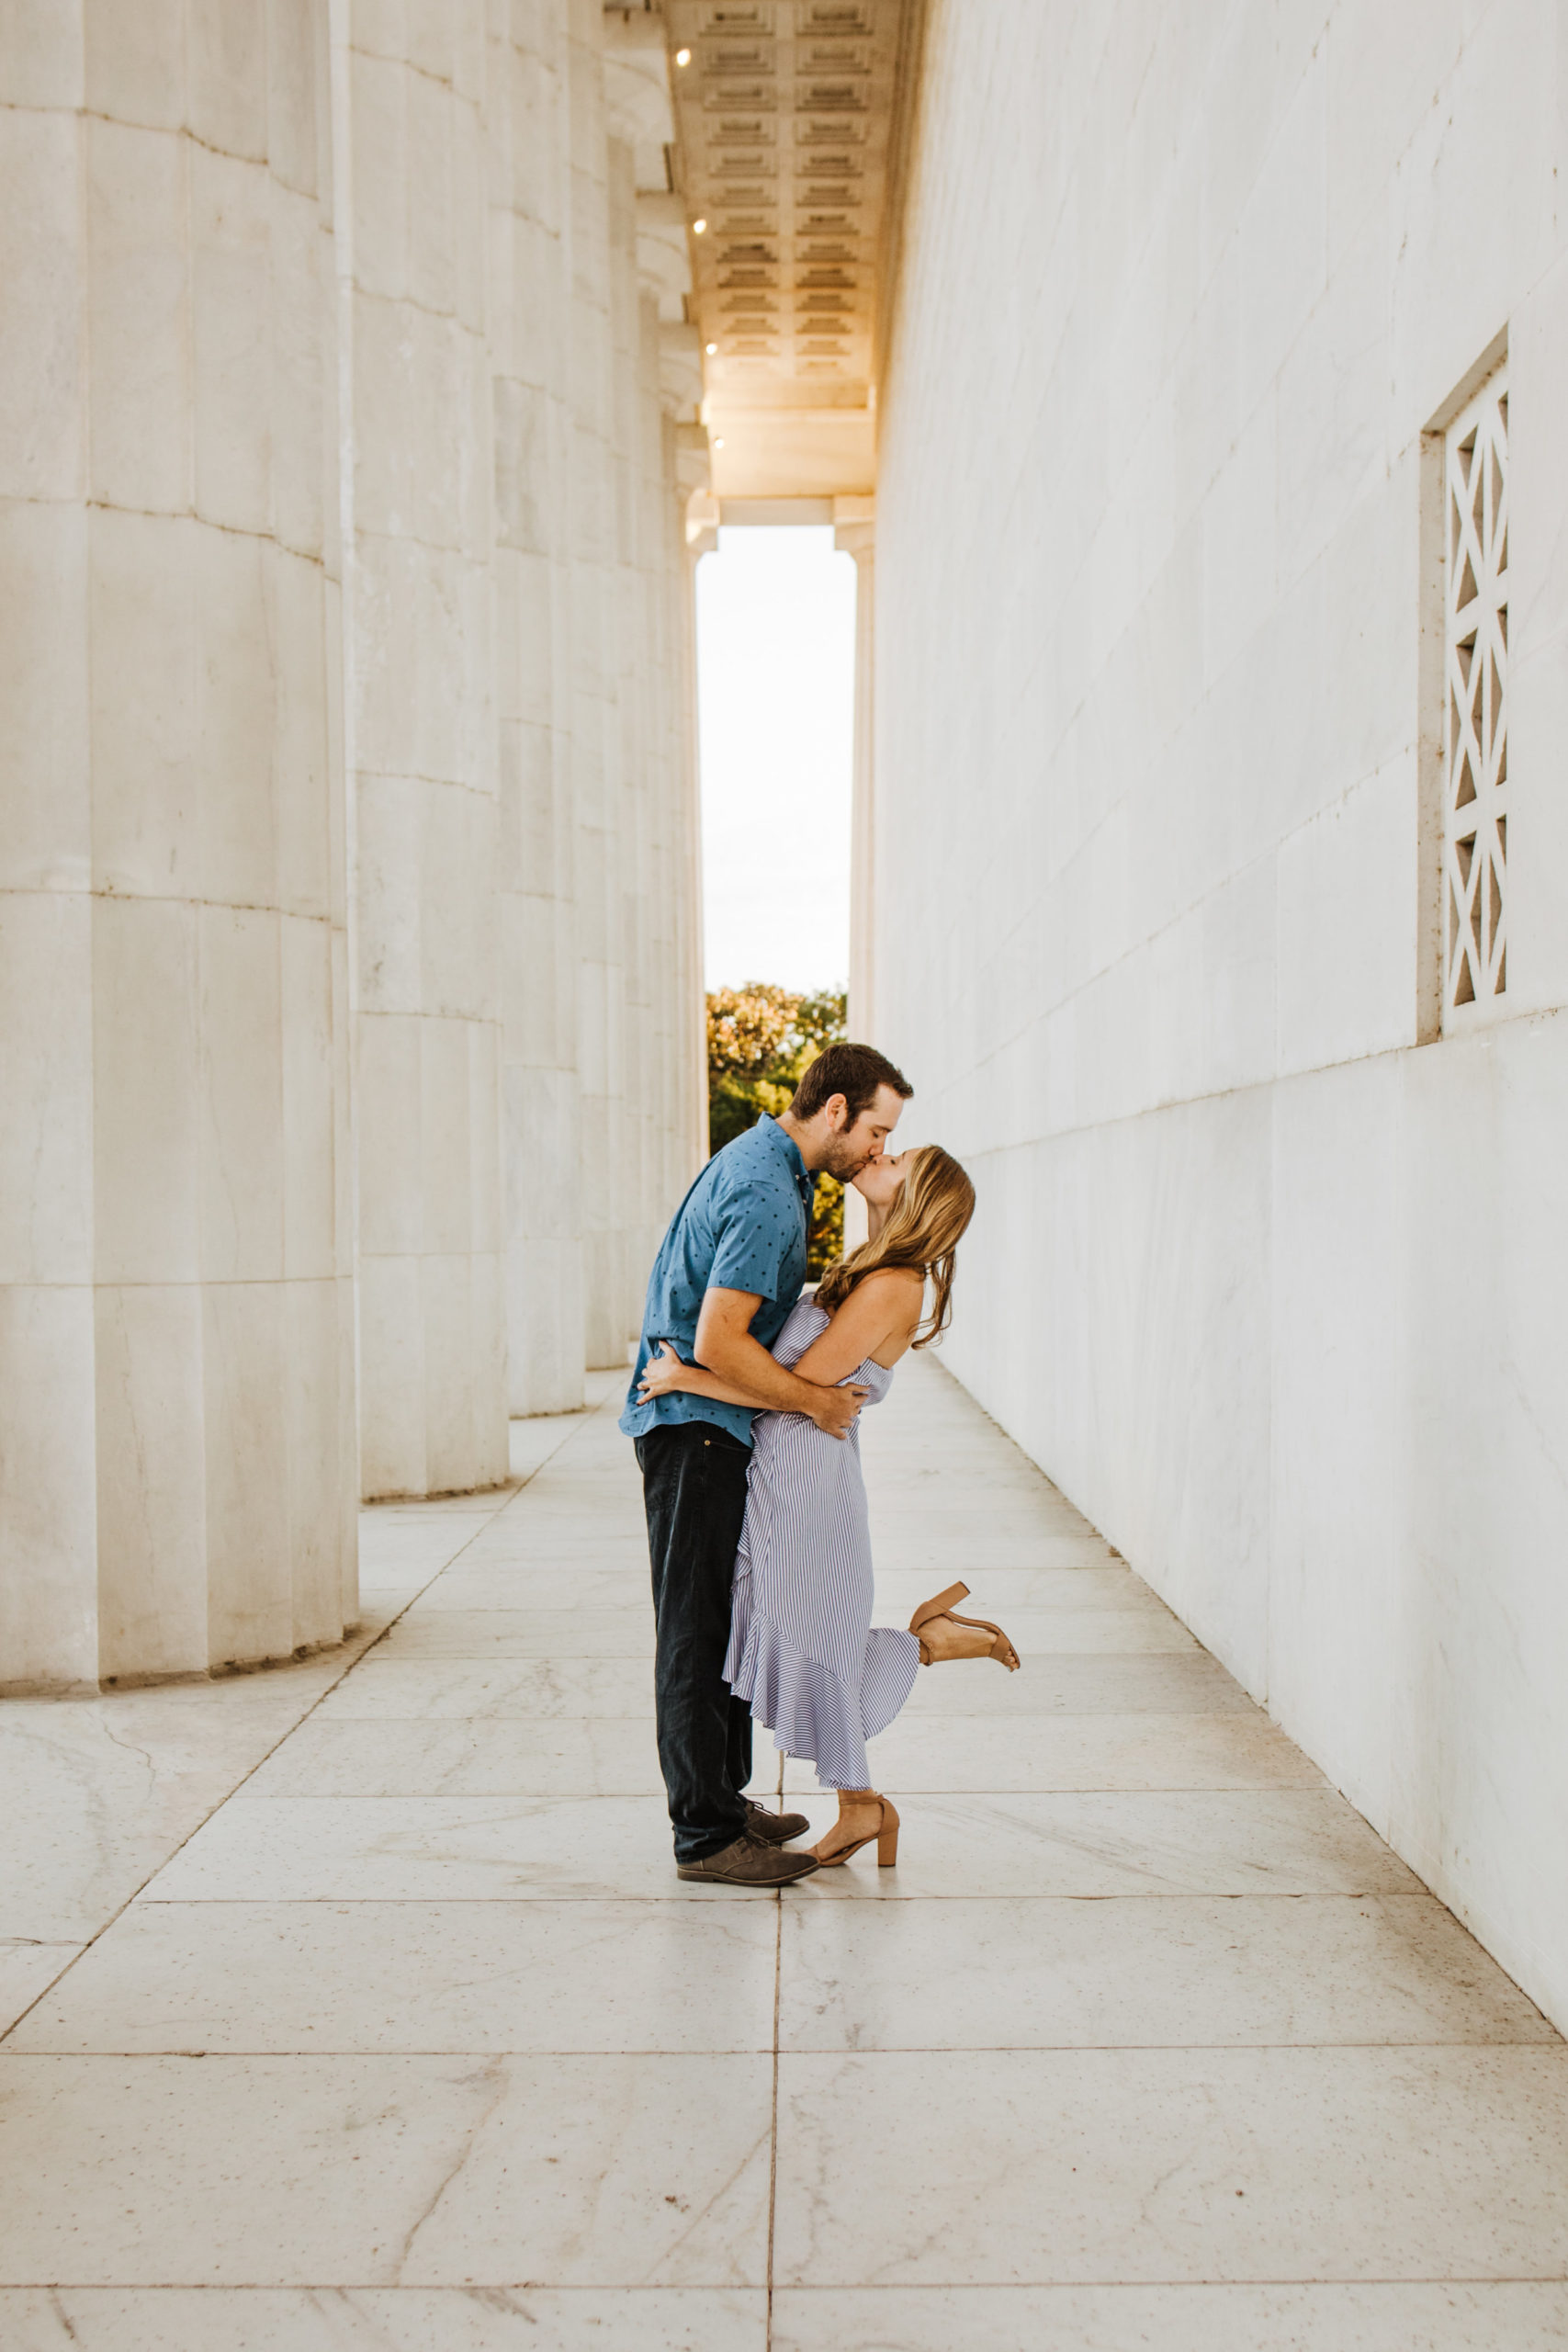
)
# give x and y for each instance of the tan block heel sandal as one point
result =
(1001, 1648)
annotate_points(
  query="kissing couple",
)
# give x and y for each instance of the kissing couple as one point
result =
(744, 1407)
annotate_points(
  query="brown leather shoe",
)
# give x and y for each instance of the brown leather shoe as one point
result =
(750, 1863)
(773, 1828)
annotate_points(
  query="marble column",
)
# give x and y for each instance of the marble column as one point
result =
(854, 533)
(649, 890)
(680, 1107)
(588, 262)
(652, 1111)
(176, 1480)
(592, 585)
(432, 1332)
(530, 319)
(687, 1142)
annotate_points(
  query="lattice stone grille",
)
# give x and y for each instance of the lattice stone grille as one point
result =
(1475, 836)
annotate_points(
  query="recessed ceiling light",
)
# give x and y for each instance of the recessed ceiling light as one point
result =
(698, 227)
(719, 442)
(683, 57)
(710, 348)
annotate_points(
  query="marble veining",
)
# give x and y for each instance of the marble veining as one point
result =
(359, 2005)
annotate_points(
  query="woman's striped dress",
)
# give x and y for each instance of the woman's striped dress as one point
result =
(802, 1650)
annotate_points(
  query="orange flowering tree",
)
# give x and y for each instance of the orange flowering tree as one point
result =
(760, 1040)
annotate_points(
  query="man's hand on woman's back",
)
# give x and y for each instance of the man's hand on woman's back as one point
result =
(725, 1345)
(839, 1407)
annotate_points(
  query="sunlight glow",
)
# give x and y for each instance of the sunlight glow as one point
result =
(775, 687)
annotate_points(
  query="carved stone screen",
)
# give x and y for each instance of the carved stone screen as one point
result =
(1475, 770)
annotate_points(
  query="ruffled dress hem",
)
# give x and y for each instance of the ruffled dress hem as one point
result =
(812, 1711)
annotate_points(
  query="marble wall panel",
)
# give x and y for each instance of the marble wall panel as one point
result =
(243, 1138)
(226, 68)
(49, 1600)
(143, 700)
(1347, 894)
(433, 127)
(307, 781)
(389, 810)
(445, 1128)
(43, 435)
(1282, 232)
(1471, 214)
(233, 826)
(147, 1090)
(1338, 1398)
(152, 1480)
(320, 1499)
(1538, 827)
(380, 177)
(46, 1081)
(1480, 1761)
(139, 318)
(413, 368)
(136, 62)
(231, 338)
(46, 816)
(309, 1080)
(42, 66)
(387, 1068)
(1383, 65)
(393, 1452)
(1333, 424)
(1538, 642)
(1273, 1292)
(297, 93)
(247, 1370)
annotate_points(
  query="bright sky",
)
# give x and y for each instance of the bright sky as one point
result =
(775, 690)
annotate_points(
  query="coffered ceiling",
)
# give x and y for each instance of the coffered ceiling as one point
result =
(788, 129)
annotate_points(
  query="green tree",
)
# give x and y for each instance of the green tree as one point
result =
(761, 1040)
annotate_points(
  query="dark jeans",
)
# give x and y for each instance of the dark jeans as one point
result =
(694, 1486)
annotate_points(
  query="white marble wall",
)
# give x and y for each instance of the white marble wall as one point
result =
(1278, 1297)
(175, 1356)
(347, 821)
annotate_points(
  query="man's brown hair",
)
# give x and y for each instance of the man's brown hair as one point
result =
(854, 1071)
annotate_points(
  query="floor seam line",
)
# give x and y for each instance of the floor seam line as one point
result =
(821, 2050)
(773, 2121)
(795, 2287)
(486, 1519)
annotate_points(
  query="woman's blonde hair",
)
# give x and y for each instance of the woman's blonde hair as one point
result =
(924, 1228)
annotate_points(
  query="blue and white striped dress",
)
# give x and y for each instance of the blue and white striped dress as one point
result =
(802, 1650)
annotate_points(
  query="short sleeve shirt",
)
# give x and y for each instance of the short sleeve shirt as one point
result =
(742, 1226)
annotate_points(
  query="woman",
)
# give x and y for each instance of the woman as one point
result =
(802, 1650)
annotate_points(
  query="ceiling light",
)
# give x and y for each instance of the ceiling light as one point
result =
(698, 227)
(719, 442)
(683, 57)
(710, 348)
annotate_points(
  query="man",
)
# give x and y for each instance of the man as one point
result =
(727, 1274)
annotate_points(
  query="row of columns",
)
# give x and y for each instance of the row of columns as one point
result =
(349, 988)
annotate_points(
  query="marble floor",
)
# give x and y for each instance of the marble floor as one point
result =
(357, 2006)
